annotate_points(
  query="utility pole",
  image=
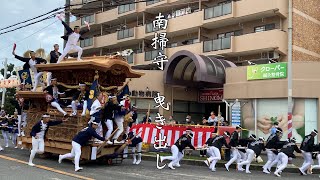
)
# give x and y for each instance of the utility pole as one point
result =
(5, 77)
(290, 105)
(67, 20)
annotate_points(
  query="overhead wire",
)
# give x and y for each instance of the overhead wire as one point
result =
(54, 12)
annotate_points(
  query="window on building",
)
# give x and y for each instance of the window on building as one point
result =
(221, 9)
(89, 19)
(266, 27)
(126, 7)
(130, 58)
(152, 2)
(269, 54)
(86, 42)
(229, 34)
(125, 33)
(150, 55)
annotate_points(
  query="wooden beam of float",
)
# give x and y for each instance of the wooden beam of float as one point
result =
(112, 71)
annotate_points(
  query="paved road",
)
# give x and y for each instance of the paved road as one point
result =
(11, 169)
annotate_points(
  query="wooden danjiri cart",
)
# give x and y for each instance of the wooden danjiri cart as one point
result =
(111, 73)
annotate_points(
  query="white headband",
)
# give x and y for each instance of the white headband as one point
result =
(82, 84)
(95, 123)
(45, 116)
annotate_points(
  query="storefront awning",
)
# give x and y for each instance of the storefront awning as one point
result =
(191, 70)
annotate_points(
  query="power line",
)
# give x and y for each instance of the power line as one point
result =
(52, 15)
(30, 35)
(31, 19)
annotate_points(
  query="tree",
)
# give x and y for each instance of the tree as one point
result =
(8, 105)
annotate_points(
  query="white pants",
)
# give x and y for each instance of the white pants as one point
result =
(37, 147)
(119, 122)
(74, 107)
(176, 156)
(109, 124)
(37, 77)
(49, 76)
(68, 49)
(243, 156)
(99, 131)
(57, 105)
(271, 157)
(138, 148)
(283, 158)
(317, 166)
(5, 135)
(307, 156)
(14, 139)
(19, 124)
(250, 155)
(75, 153)
(235, 157)
(215, 156)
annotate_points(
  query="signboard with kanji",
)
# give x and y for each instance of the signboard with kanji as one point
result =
(267, 71)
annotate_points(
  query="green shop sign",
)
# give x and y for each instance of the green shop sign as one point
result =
(267, 71)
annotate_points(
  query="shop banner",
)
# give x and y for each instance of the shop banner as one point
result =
(267, 71)
(210, 95)
(236, 114)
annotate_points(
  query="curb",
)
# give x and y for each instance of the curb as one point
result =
(220, 164)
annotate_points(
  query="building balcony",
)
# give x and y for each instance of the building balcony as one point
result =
(107, 16)
(195, 48)
(241, 11)
(126, 37)
(273, 40)
(139, 59)
(106, 40)
(185, 24)
(87, 43)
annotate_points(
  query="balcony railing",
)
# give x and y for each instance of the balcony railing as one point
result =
(150, 55)
(89, 19)
(217, 44)
(150, 28)
(125, 33)
(217, 11)
(126, 8)
(152, 2)
(86, 42)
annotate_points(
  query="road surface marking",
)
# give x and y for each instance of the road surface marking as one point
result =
(46, 168)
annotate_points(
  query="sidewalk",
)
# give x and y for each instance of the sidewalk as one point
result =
(199, 161)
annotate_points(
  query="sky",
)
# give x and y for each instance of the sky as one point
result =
(14, 11)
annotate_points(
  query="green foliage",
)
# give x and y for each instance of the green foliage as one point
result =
(9, 99)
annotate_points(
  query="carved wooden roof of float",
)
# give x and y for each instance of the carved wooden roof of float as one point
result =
(111, 71)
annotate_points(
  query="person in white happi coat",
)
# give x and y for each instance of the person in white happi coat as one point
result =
(79, 140)
(273, 143)
(285, 153)
(215, 144)
(177, 149)
(234, 142)
(72, 38)
(79, 100)
(95, 113)
(307, 146)
(38, 134)
(31, 63)
(135, 142)
(253, 149)
(316, 150)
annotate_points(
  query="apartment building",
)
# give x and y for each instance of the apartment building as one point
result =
(237, 30)
(243, 32)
